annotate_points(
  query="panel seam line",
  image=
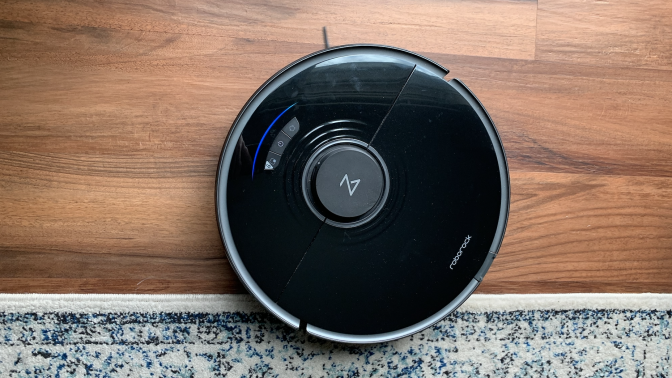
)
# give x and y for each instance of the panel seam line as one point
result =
(300, 261)
(392, 106)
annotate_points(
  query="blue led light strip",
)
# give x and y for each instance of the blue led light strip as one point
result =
(254, 163)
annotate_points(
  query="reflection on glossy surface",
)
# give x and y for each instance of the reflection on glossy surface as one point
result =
(444, 187)
(241, 160)
(270, 223)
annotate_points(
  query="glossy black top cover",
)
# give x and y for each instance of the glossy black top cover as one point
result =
(442, 217)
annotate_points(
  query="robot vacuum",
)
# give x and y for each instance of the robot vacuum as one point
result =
(360, 196)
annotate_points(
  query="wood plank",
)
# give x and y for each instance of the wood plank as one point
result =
(610, 33)
(203, 286)
(484, 27)
(118, 286)
(559, 117)
(567, 232)
(100, 111)
(158, 207)
(586, 229)
(553, 117)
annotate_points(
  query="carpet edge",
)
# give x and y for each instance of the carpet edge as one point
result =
(87, 303)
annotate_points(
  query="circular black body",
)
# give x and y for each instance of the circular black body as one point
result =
(361, 195)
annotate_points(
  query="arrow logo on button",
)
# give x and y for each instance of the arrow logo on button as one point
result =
(347, 181)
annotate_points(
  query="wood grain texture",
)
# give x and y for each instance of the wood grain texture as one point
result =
(576, 228)
(557, 117)
(606, 32)
(113, 115)
(484, 27)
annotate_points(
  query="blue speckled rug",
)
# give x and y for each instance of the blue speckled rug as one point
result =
(574, 335)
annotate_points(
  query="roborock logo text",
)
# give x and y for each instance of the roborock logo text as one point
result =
(459, 253)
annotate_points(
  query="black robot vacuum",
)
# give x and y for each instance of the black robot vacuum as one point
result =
(360, 196)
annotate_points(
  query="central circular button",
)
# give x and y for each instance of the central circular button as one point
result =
(345, 183)
(349, 181)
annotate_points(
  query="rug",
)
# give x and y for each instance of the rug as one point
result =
(562, 335)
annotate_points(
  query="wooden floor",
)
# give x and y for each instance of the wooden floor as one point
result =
(113, 115)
